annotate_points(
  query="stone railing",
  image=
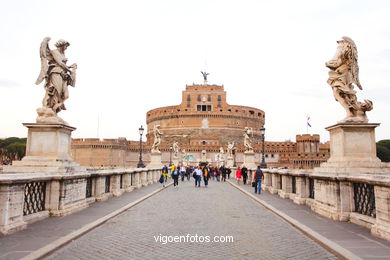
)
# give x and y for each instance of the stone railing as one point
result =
(29, 197)
(361, 199)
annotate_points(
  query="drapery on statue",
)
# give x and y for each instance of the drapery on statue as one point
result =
(157, 139)
(230, 149)
(205, 74)
(57, 76)
(247, 139)
(176, 149)
(343, 76)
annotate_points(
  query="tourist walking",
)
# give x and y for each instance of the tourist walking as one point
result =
(217, 173)
(164, 174)
(206, 176)
(244, 173)
(258, 177)
(182, 172)
(223, 172)
(175, 176)
(228, 172)
(238, 175)
(198, 176)
(188, 172)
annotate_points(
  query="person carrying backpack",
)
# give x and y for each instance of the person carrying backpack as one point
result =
(175, 176)
(257, 178)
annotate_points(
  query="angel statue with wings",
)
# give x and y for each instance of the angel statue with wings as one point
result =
(343, 76)
(248, 133)
(230, 149)
(57, 75)
(157, 139)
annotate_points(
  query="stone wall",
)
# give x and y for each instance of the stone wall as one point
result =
(363, 199)
(62, 194)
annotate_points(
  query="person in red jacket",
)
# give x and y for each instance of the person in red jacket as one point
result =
(238, 175)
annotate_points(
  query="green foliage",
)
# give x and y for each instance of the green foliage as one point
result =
(12, 148)
(383, 150)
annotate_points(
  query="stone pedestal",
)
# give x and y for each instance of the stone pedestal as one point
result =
(47, 150)
(175, 161)
(352, 145)
(155, 160)
(249, 160)
(229, 162)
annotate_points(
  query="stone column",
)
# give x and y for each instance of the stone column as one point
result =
(115, 185)
(267, 181)
(382, 206)
(275, 183)
(150, 176)
(100, 185)
(286, 187)
(127, 182)
(301, 190)
(137, 180)
(144, 178)
(11, 208)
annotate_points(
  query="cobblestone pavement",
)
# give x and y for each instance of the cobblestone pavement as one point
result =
(219, 210)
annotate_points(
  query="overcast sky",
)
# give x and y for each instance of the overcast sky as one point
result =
(134, 56)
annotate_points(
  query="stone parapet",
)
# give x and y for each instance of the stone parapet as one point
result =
(62, 194)
(363, 199)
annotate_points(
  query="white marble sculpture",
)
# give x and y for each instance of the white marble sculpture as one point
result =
(176, 149)
(230, 149)
(157, 139)
(58, 76)
(248, 133)
(343, 77)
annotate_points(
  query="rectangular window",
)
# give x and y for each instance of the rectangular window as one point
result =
(199, 108)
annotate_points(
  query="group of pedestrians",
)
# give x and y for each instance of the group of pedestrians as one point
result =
(258, 176)
(206, 173)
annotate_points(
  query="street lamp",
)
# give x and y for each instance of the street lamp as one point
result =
(140, 163)
(170, 155)
(234, 158)
(262, 133)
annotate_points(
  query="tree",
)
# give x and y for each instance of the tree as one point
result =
(12, 148)
(383, 150)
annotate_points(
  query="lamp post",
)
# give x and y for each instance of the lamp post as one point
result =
(170, 155)
(262, 133)
(140, 163)
(234, 158)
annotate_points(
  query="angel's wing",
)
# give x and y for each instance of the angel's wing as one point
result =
(44, 53)
(354, 62)
(355, 74)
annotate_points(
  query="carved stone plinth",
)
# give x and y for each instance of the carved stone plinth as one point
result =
(249, 160)
(229, 162)
(48, 150)
(155, 160)
(175, 161)
(352, 145)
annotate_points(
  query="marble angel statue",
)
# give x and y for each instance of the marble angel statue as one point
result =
(157, 139)
(57, 76)
(343, 77)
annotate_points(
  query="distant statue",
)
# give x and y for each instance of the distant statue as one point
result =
(157, 139)
(203, 156)
(248, 133)
(343, 76)
(57, 75)
(221, 154)
(205, 74)
(176, 149)
(230, 149)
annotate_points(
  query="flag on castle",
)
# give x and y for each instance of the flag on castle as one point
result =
(308, 123)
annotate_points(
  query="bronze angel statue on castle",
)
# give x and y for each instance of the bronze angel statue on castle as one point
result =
(58, 76)
(343, 76)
